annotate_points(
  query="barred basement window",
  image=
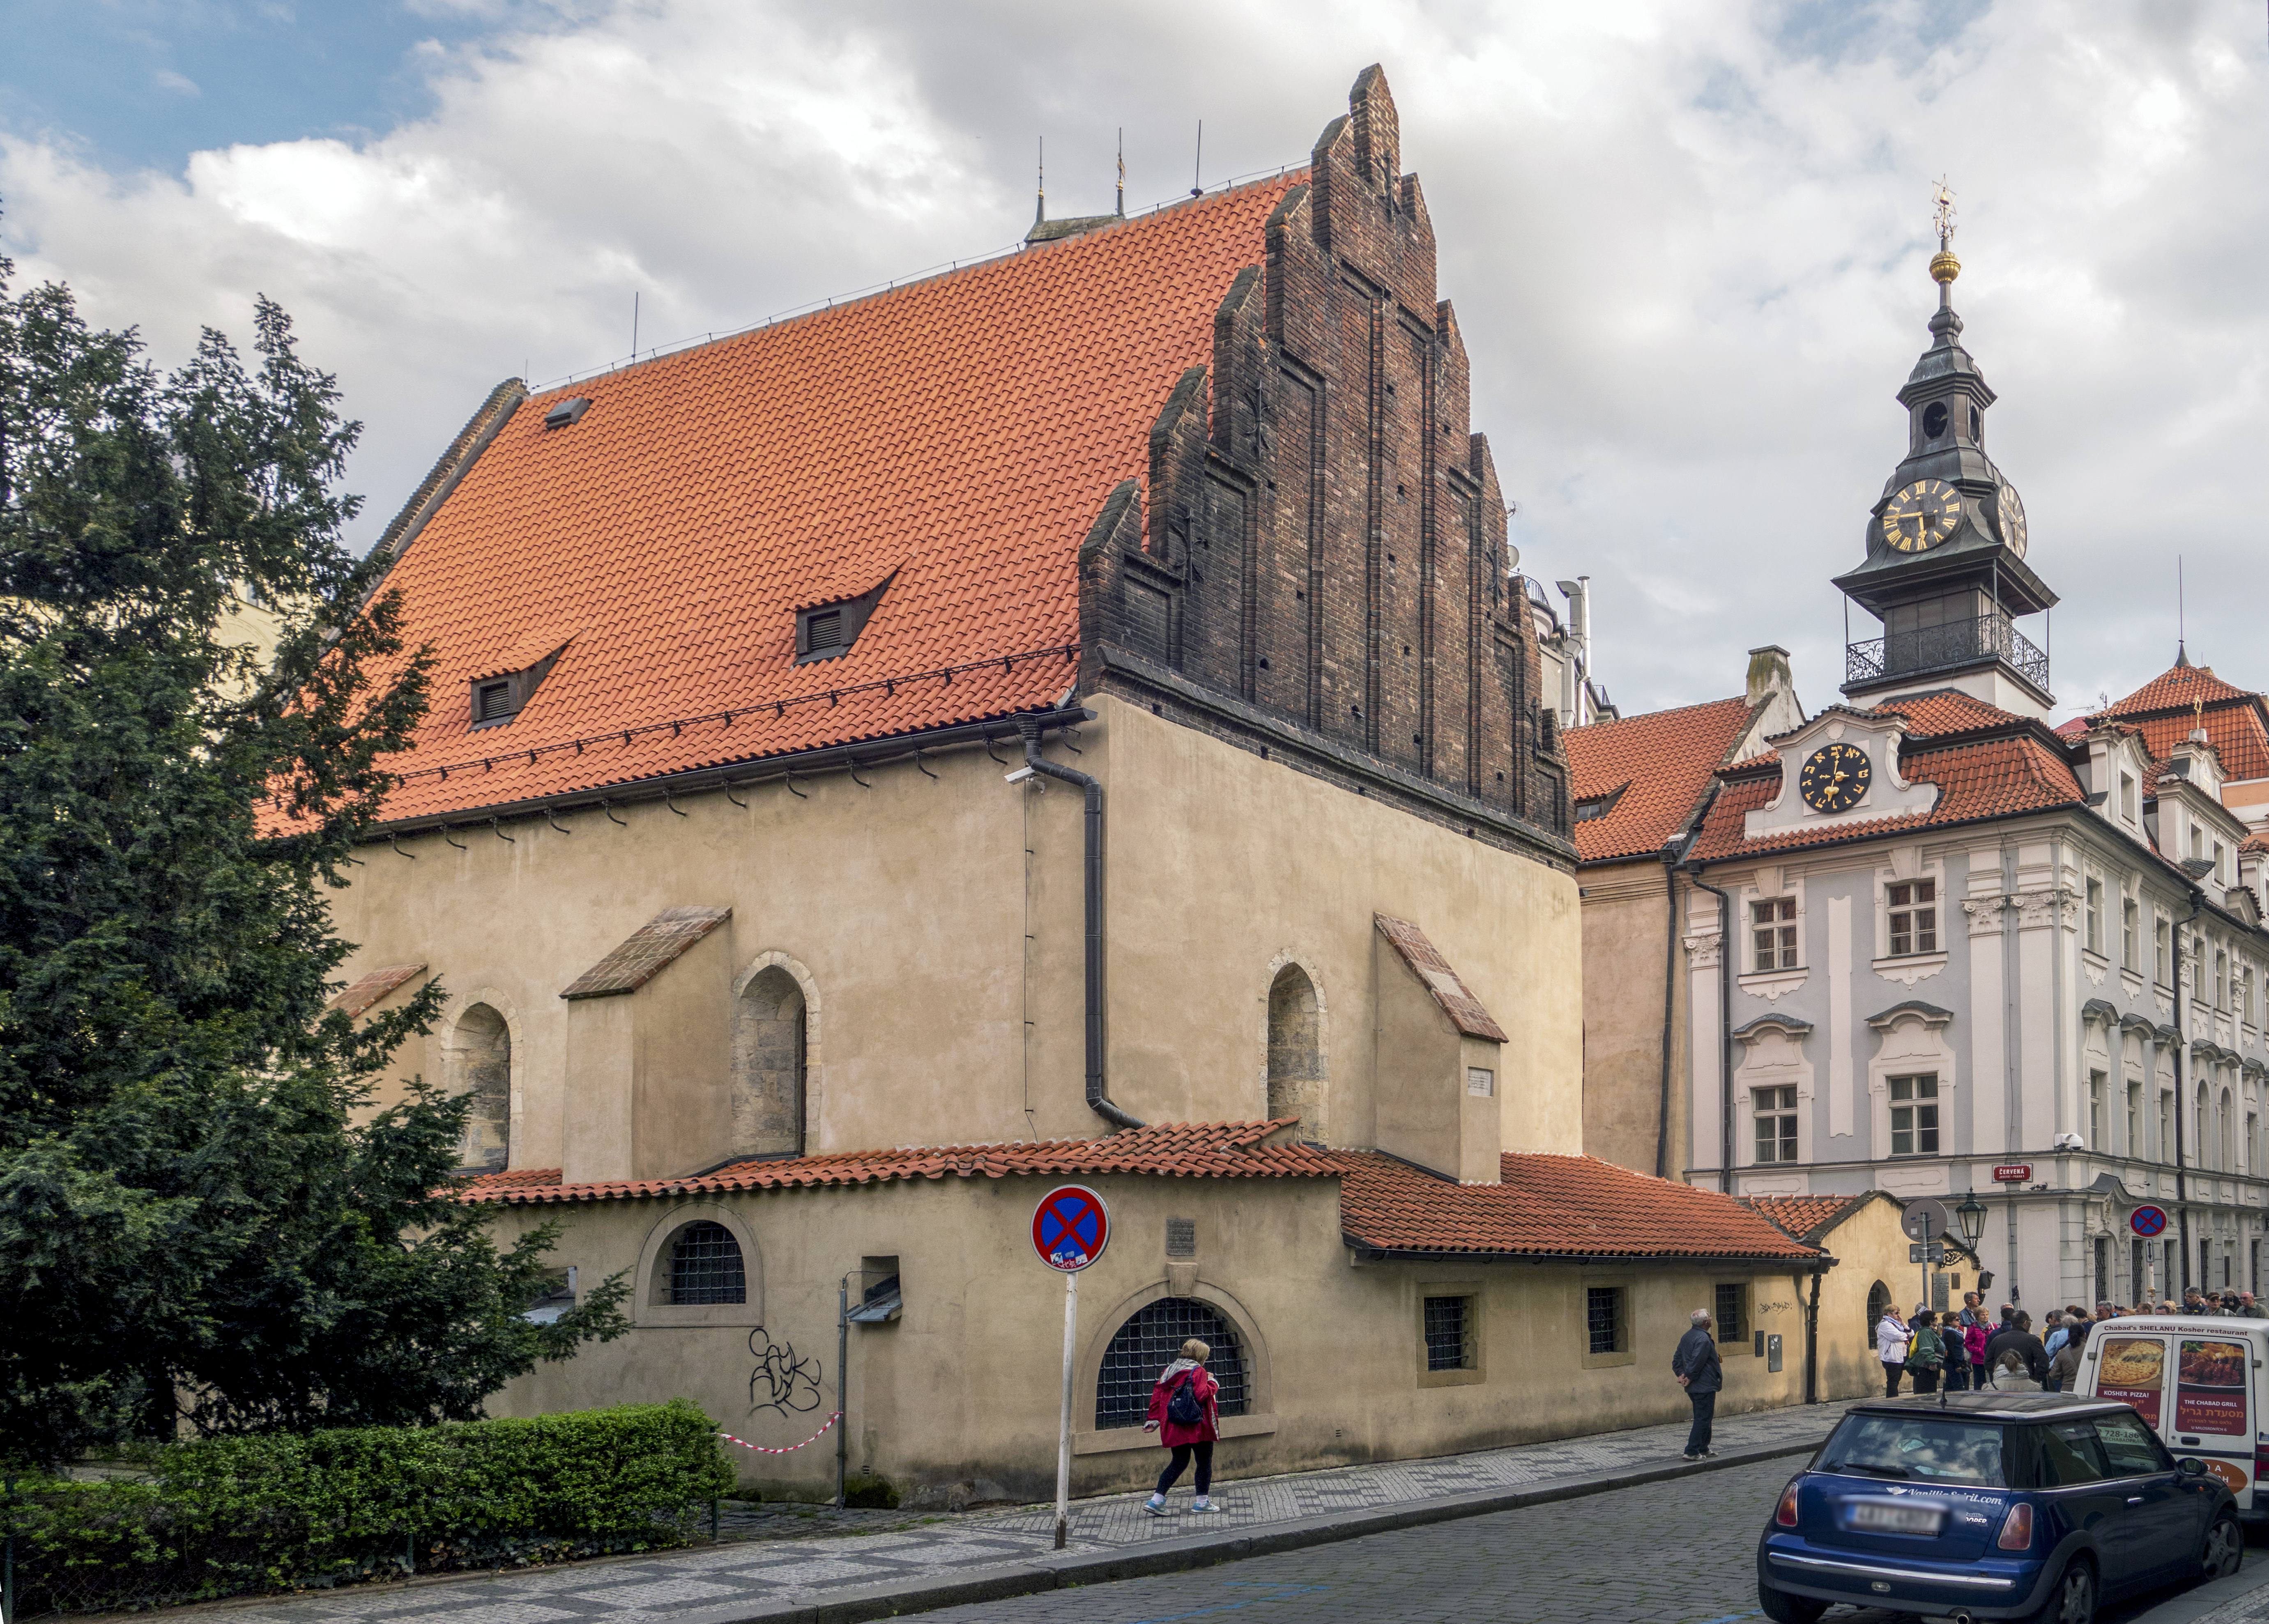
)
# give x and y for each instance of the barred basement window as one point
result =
(1151, 1340)
(1448, 1333)
(704, 1267)
(1603, 1318)
(1730, 1308)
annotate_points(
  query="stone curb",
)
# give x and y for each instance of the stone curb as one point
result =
(2211, 1598)
(856, 1605)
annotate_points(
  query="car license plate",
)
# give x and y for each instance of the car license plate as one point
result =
(1893, 1516)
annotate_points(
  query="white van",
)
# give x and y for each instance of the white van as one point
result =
(2198, 1379)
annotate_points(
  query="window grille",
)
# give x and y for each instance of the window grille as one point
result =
(1733, 1324)
(1150, 1341)
(826, 630)
(1914, 1116)
(1603, 1318)
(1776, 932)
(1914, 917)
(704, 1267)
(1449, 1338)
(1776, 1111)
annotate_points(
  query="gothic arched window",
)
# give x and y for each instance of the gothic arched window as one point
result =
(1151, 1340)
(1296, 1053)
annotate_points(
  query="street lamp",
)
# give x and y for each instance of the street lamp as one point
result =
(1971, 1216)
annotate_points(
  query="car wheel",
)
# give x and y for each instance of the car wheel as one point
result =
(2224, 1550)
(1782, 1608)
(2074, 1600)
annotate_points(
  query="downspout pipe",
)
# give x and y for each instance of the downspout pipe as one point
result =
(1097, 1101)
(1670, 854)
(1724, 1026)
(2182, 1081)
(1812, 1343)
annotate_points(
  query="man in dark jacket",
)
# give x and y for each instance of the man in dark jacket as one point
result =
(1695, 1364)
(2017, 1338)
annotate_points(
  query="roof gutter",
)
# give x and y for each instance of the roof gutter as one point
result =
(1369, 1253)
(1097, 1101)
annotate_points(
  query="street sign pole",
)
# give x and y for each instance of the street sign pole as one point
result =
(1063, 1425)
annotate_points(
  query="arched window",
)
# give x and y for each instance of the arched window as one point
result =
(1296, 1053)
(704, 1267)
(480, 1064)
(1878, 1302)
(2200, 1139)
(2226, 1161)
(1150, 1341)
(768, 1067)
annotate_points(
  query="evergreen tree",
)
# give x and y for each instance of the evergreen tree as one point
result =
(203, 1219)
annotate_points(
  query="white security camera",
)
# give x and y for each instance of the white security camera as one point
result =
(1021, 774)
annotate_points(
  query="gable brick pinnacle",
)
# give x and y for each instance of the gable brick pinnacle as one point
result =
(648, 951)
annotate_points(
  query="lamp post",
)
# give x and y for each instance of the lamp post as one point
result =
(1970, 1218)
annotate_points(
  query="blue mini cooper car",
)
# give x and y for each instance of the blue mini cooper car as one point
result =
(1985, 1505)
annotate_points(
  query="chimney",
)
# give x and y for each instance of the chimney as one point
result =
(1769, 672)
(1576, 671)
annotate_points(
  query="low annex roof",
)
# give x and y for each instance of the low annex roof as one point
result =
(1665, 758)
(1809, 1217)
(963, 431)
(1172, 1149)
(1549, 1205)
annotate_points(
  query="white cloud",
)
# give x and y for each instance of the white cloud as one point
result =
(1686, 241)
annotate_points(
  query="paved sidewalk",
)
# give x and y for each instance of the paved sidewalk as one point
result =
(941, 1561)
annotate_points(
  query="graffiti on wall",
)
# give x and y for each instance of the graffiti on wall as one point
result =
(780, 1381)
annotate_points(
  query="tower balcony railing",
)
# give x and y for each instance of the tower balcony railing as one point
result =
(1956, 643)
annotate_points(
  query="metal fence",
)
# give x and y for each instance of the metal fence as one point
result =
(1957, 642)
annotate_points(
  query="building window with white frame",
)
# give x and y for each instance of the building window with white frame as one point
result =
(2130, 933)
(2096, 916)
(1914, 1115)
(1914, 917)
(2127, 795)
(2095, 1085)
(2221, 978)
(2220, 863)
(2252, 1143)
(2162, 963)
(1776, 1113)
(1773, 926)
(2166, 1125)
(2134, 1119)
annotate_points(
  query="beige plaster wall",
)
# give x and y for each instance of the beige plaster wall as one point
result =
(934, 923)
(1623, 930)
(955, 1403)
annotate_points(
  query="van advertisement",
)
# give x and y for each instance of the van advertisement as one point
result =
(2133, 1368)
(2210, 1390)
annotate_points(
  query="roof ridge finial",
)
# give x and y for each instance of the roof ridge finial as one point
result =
(1040, 187)
(1943, 267)
(1122, 173)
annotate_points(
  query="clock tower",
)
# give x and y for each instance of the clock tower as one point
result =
(1946, 571)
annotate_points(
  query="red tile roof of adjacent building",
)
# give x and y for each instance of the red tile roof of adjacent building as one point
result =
(1806, 1217)
(956, 437)
(2175, 689)
(1171, 1150)
(2167, 708)
(1661, 762)
(1550, 1207)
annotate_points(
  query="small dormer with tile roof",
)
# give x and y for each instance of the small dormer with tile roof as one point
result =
(2119, 772)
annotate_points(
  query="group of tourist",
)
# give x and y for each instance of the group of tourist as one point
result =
(1972, 1350)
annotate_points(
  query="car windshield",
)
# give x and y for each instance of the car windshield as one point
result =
(1916, 1449)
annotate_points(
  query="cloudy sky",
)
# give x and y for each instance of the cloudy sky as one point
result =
(1687, 238)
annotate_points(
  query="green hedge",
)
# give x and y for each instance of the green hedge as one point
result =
(222, 1516)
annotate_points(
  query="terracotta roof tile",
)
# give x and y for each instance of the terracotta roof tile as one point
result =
(968, 428)
(363, 995)
(1550, 1205)
(1170, 1149)
(1997, 778)
(1806, 1217)
(1948, 711)
(1447, 987)
(2175, 689)
(1665, 758)
(647, 952)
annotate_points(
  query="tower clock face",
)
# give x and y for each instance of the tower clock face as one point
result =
(1922, 515)
(1834, 778)
(2013, 520)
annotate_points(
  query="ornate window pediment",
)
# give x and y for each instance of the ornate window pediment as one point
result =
(1840, 768)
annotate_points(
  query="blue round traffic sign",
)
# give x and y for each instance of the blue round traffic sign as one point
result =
(2147, 1221)
(1070, 1227)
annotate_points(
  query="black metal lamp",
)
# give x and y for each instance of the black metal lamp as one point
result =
(1971, 1216)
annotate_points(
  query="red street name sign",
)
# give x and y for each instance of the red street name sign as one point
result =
(2012, 1172)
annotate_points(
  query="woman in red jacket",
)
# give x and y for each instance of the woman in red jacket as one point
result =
(1187, 1384)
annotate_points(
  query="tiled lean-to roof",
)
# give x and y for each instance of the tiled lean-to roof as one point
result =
(1660, 763)
(1564, 1206)
(1449, 988)
(955, 437)
(653, 947)
(1806, 1217)
(363, 995)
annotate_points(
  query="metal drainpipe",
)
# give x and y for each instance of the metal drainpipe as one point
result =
(1812, 1343)
(2182, 1086)
(1669, 999)
(1097, 1101)
(1724, 1026)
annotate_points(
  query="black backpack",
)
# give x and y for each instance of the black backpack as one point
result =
(1184, 1407)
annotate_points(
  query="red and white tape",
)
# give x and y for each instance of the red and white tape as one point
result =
(791, 1449)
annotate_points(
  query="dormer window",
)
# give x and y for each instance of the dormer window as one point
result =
(492, 701)
(499, 695)
(2127, 796)
(826, 630)
(1599, 806)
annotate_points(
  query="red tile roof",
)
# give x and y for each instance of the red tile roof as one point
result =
(1170, 1149)
(2175, 689)
(653, 947)
(361, 996)
(2236, 721)
(963, 432)
(1665, 758)
(1448, 987)
(1994, 778)
(1806, 1217)
(1550, 1207)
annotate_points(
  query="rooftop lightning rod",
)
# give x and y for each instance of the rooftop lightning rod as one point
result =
(1198, 163)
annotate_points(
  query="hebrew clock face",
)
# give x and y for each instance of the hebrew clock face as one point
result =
(1834, 778)
(2013, 520)
(1922, 515)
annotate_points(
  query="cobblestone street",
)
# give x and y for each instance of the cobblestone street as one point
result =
(1675, 1552)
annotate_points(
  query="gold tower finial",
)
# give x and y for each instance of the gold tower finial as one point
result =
(1943, 267)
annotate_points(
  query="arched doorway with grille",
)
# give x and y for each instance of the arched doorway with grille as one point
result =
(1150, 1338)
(1878, 1303)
